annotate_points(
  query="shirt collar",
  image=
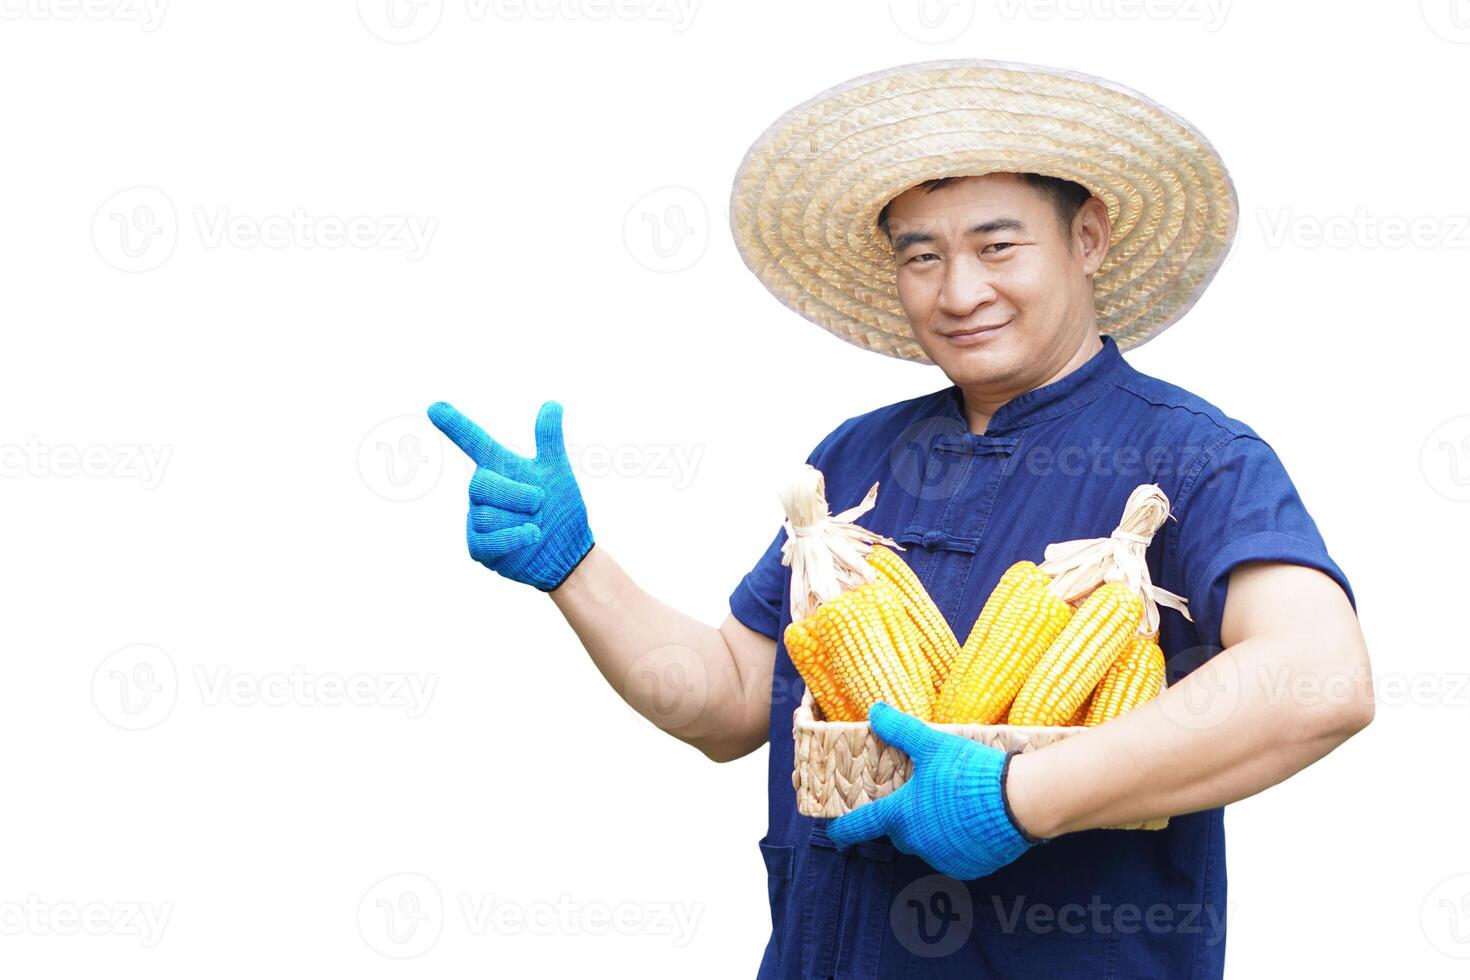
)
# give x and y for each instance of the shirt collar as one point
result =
(1095, 377)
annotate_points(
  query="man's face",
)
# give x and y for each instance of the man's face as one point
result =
(989, 252)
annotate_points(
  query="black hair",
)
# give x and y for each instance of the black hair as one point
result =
(1066, 196)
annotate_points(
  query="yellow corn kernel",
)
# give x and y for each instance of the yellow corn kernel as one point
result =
(1137, 676)
(1072, 666)
(936, 640)
(988, 674)
(851, 630)
(812, 664)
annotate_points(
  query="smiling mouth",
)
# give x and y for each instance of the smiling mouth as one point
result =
(976, 330)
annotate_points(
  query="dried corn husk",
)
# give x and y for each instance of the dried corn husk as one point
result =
(1078, 567)
(827, 553)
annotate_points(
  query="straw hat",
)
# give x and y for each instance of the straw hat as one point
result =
(804, 207)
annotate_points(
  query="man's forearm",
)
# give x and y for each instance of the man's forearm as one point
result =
(674, 670)
(1230, 729)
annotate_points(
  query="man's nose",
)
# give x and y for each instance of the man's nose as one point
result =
(966, 285)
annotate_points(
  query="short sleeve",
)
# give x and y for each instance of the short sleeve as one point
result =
(1240, 505)
(756, 601)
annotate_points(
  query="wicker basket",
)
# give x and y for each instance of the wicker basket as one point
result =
(841, 765)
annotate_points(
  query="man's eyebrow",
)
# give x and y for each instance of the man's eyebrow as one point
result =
(983, 228)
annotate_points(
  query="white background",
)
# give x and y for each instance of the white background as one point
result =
(300, 515)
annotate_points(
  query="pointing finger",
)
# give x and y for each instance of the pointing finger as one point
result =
(475, 441)
(549, 443)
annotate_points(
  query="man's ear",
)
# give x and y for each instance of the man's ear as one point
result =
(1091, 233)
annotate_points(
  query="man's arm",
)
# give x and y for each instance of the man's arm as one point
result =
(1291, 684)
(705, 686)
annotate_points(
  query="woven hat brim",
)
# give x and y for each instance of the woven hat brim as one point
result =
(805, 201)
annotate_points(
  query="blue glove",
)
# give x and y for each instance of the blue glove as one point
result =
(952, 812)
(527, 520)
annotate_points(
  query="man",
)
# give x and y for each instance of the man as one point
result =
(1011, 273)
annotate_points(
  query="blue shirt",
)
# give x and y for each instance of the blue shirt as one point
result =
(1055, 464)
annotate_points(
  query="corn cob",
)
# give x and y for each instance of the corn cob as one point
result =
(994, 664)
(1075, 662)
(812, 663)
(1021, 573)
(903, 635)
(851, 630)
(1079, 717)
(936, 639)
(1136, 677)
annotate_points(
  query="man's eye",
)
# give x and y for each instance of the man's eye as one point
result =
(1001, 245)
(926, 255)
